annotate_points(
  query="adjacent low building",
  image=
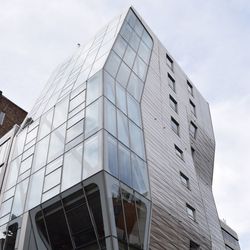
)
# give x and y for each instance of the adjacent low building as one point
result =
(117, 153)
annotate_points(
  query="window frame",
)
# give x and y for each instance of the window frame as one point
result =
(171, 82)
(177, 128)
(190, 88)
(193, 107)
(172, 100)
(187, 182)
(179, 152)
(190, 208)
(193, 133)
(170, 62)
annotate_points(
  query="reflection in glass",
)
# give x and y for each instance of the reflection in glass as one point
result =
(136, 140)
(61, 112)
(109, 87)
(57, 141)
(13, 172)
(94, 87)
(140, 175)
(111, 161)
(121, 98)
(19, 198)
(135, 86)
(134, 110)
(120, 46)
(74, 131)
(129, 56)
(140, 68)
(110, 117)
(76, 101)
(134, 41)
(122, 123)
(93, 118)
(144, 52)
(35, 189)
(25, 165)
(118, 213)
(19, 143)
(52, 179)
(92, 155)
(123, 74)
(112, 64)
(124, 165)
(45, 124)
(40, 155)
(131, 219)
(72, 168)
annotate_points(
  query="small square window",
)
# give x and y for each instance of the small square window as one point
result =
(193, 130)
(184, 180)
(179, 152)
(170, 62)
(2, 115)
(190, 212)
(171, 82)
(193, 108)
(190, 88)
(175, 126)
(173, 103)
(194, 246)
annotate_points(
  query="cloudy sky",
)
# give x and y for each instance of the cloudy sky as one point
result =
(209, 39)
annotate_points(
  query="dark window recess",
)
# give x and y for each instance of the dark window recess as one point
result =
(193, 130)
(193, 108)
(72, 221)
(173, 103)
(171, 82)
(184, 180)
(170, 62)
(190, 88)
(194, 246)
(190, 212)
(2, 115)
(193, 152)
(10, 238)
(178, 152)
(175, 126)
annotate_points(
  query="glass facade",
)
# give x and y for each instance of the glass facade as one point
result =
(87, 120)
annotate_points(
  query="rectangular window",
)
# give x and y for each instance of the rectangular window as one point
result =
(171, 82)
(193, 130)
(175, 126)
(184, 180)
(193, 108)
(190, 88)
(179, 152)
(170, 62)
(190, 212)
(173, 103)
(193, 152)
(2, 115)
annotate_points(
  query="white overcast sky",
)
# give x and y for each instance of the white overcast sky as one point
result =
(209, 39)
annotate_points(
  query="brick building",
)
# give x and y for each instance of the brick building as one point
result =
(10, 114)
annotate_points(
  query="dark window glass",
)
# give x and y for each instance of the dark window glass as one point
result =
(170, 62)
(179, 152)
(11, 235)
(175, 126)
(173, 103)
(93, 197)
(57, 227)
(193, 108)
(190, 212)
(190, 88)
(184, 180)
(193, 130)
(194, 246)
(171, 82)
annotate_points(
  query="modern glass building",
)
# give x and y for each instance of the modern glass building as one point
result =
(117, 153)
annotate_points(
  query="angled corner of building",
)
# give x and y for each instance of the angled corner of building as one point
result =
(118, 153)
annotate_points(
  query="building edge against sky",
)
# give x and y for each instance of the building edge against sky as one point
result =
(117, 153)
